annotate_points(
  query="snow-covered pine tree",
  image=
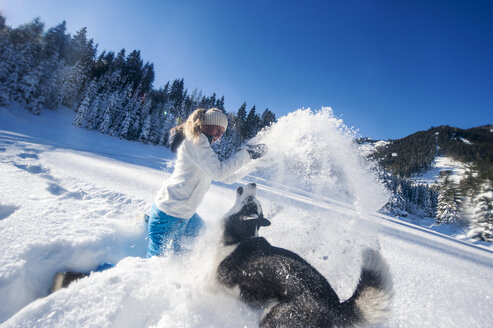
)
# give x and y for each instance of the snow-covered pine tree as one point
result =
(146, 129)
(26, 43)
(130, 111)
(56, 43)
(239, 122)
(133, 70)
(266, 119)
(7, 66)
(82, 112)
(397, 203)
(52, 80)
(189, 104)
(96, 109)
(155, 128)
(220, 104)
(121, 98)
(482, 220)
(176, 97)
(72, 82)
(30, 89)
(449, 202)
(81, 50)
(109, 113)
(142, 111)
(251, 124)
(167, 125)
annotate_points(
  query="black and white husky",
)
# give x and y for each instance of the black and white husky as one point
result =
(293, 293)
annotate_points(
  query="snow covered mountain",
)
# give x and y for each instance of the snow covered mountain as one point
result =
(442, 173)
(72, 198)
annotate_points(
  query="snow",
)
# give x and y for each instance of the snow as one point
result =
(441, 163)
(381, 143)
(72, 198)
(465, 141)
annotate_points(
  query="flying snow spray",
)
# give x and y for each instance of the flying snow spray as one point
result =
(314, 152)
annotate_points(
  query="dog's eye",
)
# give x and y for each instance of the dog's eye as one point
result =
(239, 190)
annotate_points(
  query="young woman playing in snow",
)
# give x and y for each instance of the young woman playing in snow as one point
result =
(173, 212)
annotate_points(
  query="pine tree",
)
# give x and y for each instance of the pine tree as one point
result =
(96, 109)
(52, 80)
(449, 202)
(81, 50)
(240, 122)
(30, 87)
(266, 119)
(176, 98)
(220, 104)
(143, 108)
(251, 123)
(129, 118)
(82, 112)
(146, 129)
(72, 83)
(482, 221)
(147, 77)
(155, 128)
(109, 114)
(7, 67)
(166, 126)
(56, 42)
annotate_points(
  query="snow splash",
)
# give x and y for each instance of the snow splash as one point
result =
(314, 152)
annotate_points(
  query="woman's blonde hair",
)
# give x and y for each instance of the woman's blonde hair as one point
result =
(193, 126)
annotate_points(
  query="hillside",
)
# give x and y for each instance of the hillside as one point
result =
(445, 173)
(416, 152)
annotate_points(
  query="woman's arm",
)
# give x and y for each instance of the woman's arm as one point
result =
(202, 155)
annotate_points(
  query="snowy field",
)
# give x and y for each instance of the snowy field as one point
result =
(71, 199)
(455, 168)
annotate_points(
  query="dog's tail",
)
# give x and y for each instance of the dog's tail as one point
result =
(372, 299)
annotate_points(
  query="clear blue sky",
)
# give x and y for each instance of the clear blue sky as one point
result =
(388, 68)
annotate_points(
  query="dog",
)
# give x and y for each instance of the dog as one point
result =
(291, 291)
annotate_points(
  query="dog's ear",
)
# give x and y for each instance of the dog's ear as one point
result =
(239, 191)
(263, 222)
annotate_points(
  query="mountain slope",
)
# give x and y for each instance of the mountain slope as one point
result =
(415, 153)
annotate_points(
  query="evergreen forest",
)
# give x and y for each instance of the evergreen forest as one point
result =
(112, 93)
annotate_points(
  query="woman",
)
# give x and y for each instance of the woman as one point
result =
(173, 212)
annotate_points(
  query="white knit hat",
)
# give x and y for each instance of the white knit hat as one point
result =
(214, 116)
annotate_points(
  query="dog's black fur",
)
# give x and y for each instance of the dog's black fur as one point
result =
(293, 292)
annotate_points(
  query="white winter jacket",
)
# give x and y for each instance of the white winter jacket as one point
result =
(195, 167)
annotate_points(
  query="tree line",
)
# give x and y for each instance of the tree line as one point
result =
(111, 93)
(449, 200)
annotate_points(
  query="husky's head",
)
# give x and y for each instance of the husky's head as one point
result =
(245, 218)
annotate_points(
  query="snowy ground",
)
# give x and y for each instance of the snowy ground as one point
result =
(71, 199)
(441, 163)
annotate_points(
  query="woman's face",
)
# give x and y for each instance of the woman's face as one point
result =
(214, 131)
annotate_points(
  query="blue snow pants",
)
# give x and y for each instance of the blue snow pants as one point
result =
(165, 231)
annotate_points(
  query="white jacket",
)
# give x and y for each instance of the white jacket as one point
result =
(195, 167)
